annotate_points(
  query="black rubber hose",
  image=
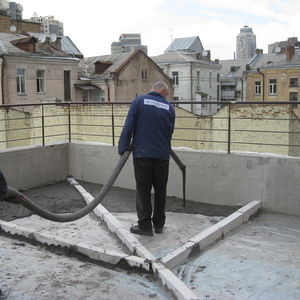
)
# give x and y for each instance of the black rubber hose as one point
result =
(182, 167)
(19, 198)
(68, 217)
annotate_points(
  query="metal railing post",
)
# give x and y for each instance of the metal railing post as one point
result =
(69, 117)
(113, 124)
(43, 126)
(229, 129)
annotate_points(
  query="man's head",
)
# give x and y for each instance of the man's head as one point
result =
(160, 87)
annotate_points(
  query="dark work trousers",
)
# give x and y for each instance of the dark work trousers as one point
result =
(151, 172)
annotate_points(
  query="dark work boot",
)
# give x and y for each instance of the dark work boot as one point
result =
(158, 229)
(137, 230)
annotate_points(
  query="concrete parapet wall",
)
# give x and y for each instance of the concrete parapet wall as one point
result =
(211, 177)
(34, 166)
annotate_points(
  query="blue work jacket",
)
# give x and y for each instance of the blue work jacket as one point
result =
(149, 126)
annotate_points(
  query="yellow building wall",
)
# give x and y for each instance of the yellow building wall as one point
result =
(284, 89)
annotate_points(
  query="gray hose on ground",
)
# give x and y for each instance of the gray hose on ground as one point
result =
(68, 217)
(182, 167)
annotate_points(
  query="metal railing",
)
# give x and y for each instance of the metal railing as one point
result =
(265, 127)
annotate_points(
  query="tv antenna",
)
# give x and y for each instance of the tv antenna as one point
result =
(41, 38)
(53, 37)
(171, 37)
(13, 29)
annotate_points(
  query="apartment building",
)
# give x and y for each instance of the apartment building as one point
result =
(13, 9)
(118, 77)
(233, 79)
(195, 76)
(49, 25)
(33, 71)
(274, 76)
(128, 42)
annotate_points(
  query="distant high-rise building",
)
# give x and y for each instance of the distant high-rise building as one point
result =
(128, 42)
(49, 25)
(245, 43)
(13, 9)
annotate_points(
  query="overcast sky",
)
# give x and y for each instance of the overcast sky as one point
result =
(93, 25)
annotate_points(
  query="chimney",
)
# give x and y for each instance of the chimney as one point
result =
(45, 46)
(290, 51)
(57, 43)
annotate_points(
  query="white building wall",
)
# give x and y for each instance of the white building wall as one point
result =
(189, 85)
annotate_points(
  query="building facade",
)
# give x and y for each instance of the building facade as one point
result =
(128, 42)
(49, 25)
(33, 72)
(233, 79)
(9, 25)
(245, 43)
(13, 9)
(278, 47)
(274, 77)
(118, 77)
(195, 76)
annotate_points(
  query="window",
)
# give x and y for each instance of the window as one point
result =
(175, 78)
(257, 88)
(294, 82)
(144, 75)
(272, 86)
(175, 99)
(85, 95)
(293, 96)
(99, 96)
(67, 85)
(20, 81)
(40, 81)
(198, 78)
(96, 96)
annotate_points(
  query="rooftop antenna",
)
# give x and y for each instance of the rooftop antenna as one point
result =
(53, 37)
(171, 37)
(13, 29)
(41, 38)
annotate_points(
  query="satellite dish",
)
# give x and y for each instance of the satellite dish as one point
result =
(53, 37)
(42, 38)
(204, 53)
(277, 49)
(13, 28)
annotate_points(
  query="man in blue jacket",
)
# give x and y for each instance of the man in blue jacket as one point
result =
(148, 129)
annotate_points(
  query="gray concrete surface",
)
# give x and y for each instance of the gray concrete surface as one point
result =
(259, 260)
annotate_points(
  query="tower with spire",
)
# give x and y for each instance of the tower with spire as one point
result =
(245, 43)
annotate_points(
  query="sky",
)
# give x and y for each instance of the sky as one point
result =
(93, 25)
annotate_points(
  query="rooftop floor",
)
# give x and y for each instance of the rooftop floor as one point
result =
(257, 260)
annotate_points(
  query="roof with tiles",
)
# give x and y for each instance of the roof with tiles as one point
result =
(275, 60)
(181, 56)
(10, 44)
(87, 65)
(233, 67)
